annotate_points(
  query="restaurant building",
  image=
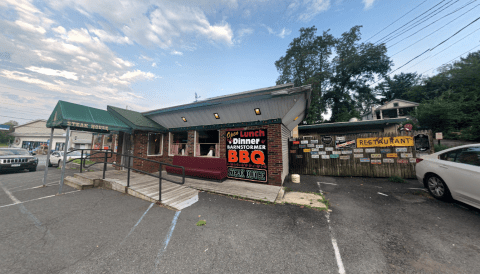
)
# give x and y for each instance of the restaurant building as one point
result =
(248, 132)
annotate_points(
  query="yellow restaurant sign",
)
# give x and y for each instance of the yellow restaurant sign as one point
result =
(404, 141)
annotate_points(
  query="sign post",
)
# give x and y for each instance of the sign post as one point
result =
(439, 136)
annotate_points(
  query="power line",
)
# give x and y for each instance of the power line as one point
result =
(423, 21)
(395, 21)
(436, 29)
(430, 33)
(435, 46)
(452, 59)
(408, 22)
(445, 48)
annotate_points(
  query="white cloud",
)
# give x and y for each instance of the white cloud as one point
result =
(174, 52)
(284, 33)
(110, 38)
(52, 72)
(145, 58)
(242, 33)
(306, 10)
(154, 65)
(29, 27)
(245, 32)
(368, 3)
(137, 75)
(160, 24)
(59, 29)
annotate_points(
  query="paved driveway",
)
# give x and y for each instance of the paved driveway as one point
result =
(103, 231)
(385, 227)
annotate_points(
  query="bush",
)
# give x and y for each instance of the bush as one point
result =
(440, 147)
(396, 179)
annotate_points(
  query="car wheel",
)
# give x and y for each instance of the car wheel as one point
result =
(59, 162)
(437, 188)
(50, 163)
(32, 169)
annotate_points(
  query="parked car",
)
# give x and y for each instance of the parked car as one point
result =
(17, 159)
(57, 157)
(452, 174)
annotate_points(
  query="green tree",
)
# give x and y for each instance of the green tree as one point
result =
(307, 62)
(397, 87)
(5, 138)
(451, 99)
(354, 67)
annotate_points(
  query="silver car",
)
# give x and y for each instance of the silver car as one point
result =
(453, 173)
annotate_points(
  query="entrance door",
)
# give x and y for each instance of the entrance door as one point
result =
(127, 148)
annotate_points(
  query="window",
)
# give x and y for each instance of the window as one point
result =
(207, 143)
(469, 156)
(155, 144)
(59, 146)
(178, 143)
(115, 143)
(107, 141)
(97, 141)
(449, 156)
(395, 105)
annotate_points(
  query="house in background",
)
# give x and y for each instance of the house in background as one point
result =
(34, 134)
(396, 108)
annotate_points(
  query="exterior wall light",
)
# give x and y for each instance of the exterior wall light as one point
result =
(184, 119)
(257, 111)
(216, 116)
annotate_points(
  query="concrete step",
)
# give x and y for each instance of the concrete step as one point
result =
(86, 180)
(77, 183)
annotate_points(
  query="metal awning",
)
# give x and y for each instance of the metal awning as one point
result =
(84, 118)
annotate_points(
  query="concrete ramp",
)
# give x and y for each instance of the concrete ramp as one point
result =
(142, 186)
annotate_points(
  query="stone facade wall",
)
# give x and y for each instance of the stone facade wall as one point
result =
(274, 146)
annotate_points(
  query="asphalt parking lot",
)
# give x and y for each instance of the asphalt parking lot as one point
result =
(103, 231)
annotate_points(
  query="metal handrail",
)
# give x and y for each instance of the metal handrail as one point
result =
(147, 173)
(83, 159)
(107, 152)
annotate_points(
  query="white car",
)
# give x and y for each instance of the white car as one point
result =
(452, 173)
(57, 157)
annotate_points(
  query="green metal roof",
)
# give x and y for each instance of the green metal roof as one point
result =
(135, 120)
(352, 124)
(79, 117)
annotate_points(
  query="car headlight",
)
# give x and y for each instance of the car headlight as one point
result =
(32, 160)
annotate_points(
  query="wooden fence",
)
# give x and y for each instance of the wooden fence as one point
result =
(382, 155)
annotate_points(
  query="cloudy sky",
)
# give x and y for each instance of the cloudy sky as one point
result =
(152, 54)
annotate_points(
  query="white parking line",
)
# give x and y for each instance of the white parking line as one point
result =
(50, 196)
(167, 239)
(382, 193)
(338, 257)
(326, 183)
(25, 211)
(56, 183)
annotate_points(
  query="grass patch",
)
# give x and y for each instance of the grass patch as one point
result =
(87, 162)
(287, 189)
(201, 223)
(396, 179)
